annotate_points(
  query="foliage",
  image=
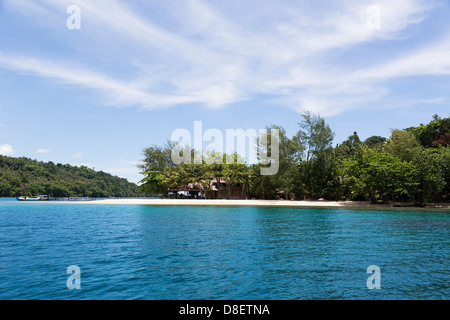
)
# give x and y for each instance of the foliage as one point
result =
(383, 176)
(403, 144)
(380, 176)
(434, 134)
(26, 177)
(409, 166)
(315, 135)
(375, 142)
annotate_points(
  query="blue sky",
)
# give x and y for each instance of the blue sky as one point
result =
(137, 70)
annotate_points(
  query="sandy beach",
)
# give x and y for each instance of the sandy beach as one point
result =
(265, 203)
(203, 202)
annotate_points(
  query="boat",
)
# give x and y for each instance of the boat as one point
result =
(41, 197)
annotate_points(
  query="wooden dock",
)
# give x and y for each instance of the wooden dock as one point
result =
(91, 199)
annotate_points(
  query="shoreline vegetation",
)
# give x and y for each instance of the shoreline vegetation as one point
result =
(26, 177)
(410, 168)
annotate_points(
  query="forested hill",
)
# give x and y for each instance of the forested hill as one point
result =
(23, 176)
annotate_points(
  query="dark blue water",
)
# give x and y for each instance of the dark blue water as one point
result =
(146, 252)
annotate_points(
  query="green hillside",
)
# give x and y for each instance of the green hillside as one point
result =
(26, 177)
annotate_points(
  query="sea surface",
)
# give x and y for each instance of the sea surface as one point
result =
(226, 253)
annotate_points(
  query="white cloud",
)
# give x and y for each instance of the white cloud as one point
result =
(43, 151)
(120, 93)
(433, 60)
(77, 155)
(223, 52)
(6, 149)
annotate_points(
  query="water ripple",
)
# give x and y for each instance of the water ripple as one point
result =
(143, 252)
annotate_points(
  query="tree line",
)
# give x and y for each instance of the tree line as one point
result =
(412, 165)
(26, 177)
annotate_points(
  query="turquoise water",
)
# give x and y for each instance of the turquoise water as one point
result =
(245, 253)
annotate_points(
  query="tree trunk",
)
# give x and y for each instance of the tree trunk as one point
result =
(219, 187)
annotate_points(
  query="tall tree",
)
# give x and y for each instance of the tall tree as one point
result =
(349, 147)
(315, 135)
(234, 173)
(158, 168)
(289, 156)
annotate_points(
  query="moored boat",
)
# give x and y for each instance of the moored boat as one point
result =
(41, 197)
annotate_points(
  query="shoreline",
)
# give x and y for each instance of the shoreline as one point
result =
(262, 203)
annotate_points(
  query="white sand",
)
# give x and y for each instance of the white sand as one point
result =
(255, 203)
(194, 202)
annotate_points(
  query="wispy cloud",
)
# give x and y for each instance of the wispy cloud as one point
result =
(77, 155)
(120, 93)
(220, 53)
(433, 60)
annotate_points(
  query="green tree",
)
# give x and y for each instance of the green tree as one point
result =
(290, 152)
(154, 183)
(261, 184)
(158, 168)
(434, 134)
(234, 172)
(315, 135)
(443, 158)
(375, 142)
(349, 147)
(403, 144)
(378, 176)
(429, 175)
(216, 169)
(23, 176)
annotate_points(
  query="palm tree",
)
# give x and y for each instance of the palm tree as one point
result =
(258, 182)
(245, 181)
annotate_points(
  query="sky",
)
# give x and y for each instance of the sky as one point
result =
(95, 82)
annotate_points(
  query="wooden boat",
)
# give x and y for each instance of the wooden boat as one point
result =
(41, 197)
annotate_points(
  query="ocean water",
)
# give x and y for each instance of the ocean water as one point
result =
(242, 253)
